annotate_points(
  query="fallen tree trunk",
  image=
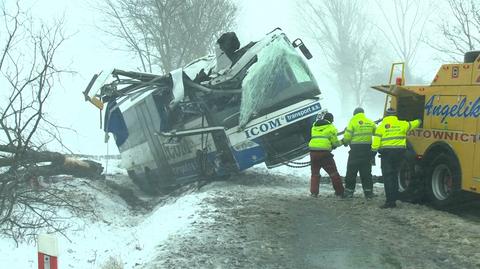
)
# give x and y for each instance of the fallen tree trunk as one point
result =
(70, 166)
(48, 163)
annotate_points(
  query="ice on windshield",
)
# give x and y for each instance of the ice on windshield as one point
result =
(278, 68)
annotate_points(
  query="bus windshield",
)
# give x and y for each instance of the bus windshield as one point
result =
(278, 78)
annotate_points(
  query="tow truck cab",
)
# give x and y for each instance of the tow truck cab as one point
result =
(443, 158)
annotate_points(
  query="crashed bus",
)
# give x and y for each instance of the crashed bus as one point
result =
(216, 116)
(443, 155)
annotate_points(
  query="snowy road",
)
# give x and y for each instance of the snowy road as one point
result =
(261, 219)
(269, 221)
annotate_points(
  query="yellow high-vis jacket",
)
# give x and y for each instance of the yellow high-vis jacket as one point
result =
(360, 130)
(324, 136)
(392, 133)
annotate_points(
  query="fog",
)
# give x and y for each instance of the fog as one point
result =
(88, 50)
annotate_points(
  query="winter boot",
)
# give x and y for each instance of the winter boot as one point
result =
(314, 185)
(368, 194)
(348, 193)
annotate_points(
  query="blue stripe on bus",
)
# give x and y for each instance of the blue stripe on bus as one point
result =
(249, 157)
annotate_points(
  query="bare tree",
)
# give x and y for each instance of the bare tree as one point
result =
(405, 28)
(167, 34)
(27, 75)
(341, 29)
(461, 33)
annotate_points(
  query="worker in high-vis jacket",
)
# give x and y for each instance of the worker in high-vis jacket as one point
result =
(323, 141)
(358, 135)
(390, 141)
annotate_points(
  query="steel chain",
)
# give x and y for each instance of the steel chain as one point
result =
(294, 164)
(302, 165)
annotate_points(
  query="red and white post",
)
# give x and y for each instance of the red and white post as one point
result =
(47, 252)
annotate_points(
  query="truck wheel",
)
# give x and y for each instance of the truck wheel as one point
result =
(444, 181)
(405, 180)
(410, 189)
(410, 186)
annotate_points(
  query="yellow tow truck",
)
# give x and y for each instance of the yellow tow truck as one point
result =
(443, 156)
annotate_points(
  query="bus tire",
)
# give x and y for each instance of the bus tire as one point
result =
(443, 182)
(141, 182)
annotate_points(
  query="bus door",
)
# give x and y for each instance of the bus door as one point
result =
(150, 120)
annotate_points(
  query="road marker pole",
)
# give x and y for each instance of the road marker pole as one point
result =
(47, 252)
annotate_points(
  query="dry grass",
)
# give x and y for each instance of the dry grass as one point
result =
(113, 263)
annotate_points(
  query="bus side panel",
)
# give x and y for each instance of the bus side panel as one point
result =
(149, 119)
(185, 154)
(135, 151)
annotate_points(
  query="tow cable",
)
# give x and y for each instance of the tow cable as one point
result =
(294, 164)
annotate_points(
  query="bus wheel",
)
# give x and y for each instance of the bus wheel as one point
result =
(141, 181)
(444, 181)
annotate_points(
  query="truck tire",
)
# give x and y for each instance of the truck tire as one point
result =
(405, 181)
(443, 182)
(410, 186)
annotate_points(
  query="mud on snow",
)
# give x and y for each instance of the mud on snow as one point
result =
(261, 220)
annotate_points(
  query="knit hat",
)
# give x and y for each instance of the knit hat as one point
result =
(328, 116)
(358, 110)
(390, 112)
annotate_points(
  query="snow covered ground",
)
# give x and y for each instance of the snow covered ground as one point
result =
(246, 222)
(116, 231)
(259, 220)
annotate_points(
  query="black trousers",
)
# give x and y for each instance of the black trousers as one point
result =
(359, 162)
(391, 160)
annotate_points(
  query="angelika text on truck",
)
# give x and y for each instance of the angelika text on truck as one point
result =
(459, 110)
